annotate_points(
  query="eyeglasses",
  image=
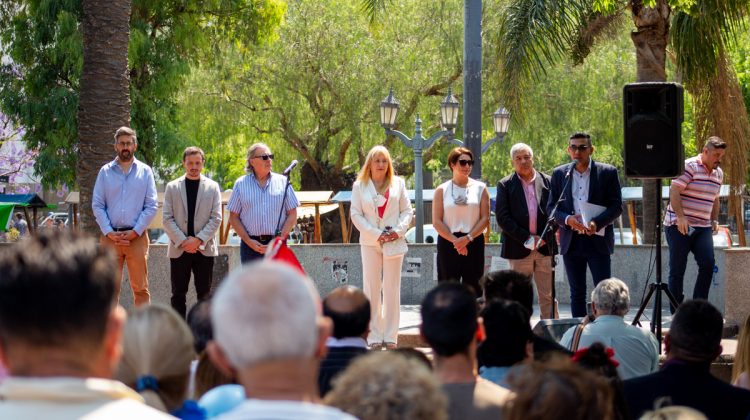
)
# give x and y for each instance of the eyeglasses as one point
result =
(580, 147)
(125, 143)
(464, 162)
(264, 157)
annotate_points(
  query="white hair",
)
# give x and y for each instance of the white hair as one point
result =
(265, 311)
(611, 297)
(519, 147)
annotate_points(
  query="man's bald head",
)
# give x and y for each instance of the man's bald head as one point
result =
(349, 309)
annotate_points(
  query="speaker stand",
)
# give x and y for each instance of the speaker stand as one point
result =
(655, 289)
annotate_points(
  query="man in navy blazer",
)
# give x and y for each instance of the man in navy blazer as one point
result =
(521, 212)
(590, 242)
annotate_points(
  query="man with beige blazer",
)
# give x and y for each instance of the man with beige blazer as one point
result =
(191, 218)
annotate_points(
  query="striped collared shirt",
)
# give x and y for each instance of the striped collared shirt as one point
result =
(698, 190)
(259, 207)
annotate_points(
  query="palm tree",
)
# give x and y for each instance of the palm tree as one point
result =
(104, 102)
(537, 33)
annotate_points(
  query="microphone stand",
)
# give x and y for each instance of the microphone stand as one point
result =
(550, 227)
(283, 203)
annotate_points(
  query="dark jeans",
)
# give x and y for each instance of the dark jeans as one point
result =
(454, 267)
(248, 255)
(201, 267)
(701, 244)
(582, 253)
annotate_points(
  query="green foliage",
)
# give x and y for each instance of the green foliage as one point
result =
(39, 90)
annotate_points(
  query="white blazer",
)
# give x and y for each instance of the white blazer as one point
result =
(364, 210)
(207, 215)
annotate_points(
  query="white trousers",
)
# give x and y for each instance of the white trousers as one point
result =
(381, 280)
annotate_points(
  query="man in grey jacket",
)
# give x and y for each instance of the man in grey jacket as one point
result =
(191, 217)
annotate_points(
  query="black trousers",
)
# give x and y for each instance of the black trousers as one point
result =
(202, 268)
(454, 267)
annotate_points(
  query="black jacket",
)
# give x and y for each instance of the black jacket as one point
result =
(512, 215)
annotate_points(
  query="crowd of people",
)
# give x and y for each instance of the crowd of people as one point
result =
(265, 345)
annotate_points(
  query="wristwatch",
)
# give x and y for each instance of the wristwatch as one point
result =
(471, 238)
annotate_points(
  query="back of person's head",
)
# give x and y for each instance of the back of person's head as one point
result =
(507, 334)
(509, 285)
(611, 297)
(349, 309)
(388, 385)
(558, 389)
(57, 291)
(199, 321)
(695, 333)
(449, 318)
(156, 356)
(208, 376)
(742, 355)
(266, 311)
(674, 412)
(598, 359)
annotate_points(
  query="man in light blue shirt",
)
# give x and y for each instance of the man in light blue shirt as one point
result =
(124, 203)
(636, 349)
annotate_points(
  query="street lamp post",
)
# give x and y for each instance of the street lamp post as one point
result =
(449, 108)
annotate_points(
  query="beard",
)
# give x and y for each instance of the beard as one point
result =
(125, 155)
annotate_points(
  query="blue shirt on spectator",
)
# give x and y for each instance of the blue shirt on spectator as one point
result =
(124, 199)
(258, 206)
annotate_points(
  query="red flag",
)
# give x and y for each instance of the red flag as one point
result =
(279, 251)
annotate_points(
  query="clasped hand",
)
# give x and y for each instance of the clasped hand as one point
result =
(387, 236)
(191, 244)
(461, 244)
(575, 222)
(122, 238)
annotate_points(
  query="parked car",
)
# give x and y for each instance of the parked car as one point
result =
(430, 234)
(54, 218)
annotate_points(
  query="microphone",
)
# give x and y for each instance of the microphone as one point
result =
(290, 167)
(570, 171)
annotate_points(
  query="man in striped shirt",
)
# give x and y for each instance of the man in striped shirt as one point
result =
(691, 218)
(257, 200)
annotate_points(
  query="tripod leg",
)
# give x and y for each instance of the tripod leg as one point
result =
(644, 304)
(671, 298)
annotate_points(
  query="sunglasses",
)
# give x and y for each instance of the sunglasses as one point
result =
(580, 147)
(264, 157)
(464, 162)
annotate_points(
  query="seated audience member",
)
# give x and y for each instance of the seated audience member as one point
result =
(675, 412)
(558, 389)
(692, 343)
(204, 375)
(156, 354)
(412, 353)
(512, 285)
(600, 360)
(60, 332)
(636, 349)
(741, 367)
(349, 309)
(507, 342)
(269, 330)
(388, 385)
(451, 327)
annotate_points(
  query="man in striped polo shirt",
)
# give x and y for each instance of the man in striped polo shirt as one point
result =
(691, 218)
(257, 200)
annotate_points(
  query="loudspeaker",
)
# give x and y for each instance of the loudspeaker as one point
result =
(653, 114)
(553, 329)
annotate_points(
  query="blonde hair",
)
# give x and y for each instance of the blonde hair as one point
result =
(742, 355)
(365, 174)
(388, 385)
(157, 343)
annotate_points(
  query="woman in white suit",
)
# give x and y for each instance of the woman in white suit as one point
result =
(381, 211)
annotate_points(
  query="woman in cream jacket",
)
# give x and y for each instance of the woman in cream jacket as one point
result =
(381, 211)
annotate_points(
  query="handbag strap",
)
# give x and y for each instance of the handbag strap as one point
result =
(578, 332)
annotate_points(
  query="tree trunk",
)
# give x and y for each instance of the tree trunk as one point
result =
(650, 41)
(104, 102)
